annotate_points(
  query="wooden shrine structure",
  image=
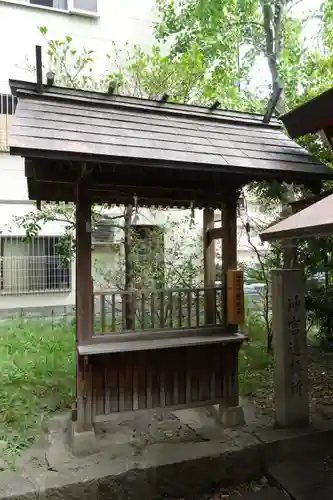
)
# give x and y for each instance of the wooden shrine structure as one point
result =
(87, 148)
(312, 216)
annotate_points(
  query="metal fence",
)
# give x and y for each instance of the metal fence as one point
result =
(32, 267)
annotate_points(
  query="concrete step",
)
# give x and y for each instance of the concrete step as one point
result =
(304, 479)
(264, 494)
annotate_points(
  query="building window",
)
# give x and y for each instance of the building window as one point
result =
(51, 4)
(8, 104)
(32, 267)
(88, 6)
(7, 109)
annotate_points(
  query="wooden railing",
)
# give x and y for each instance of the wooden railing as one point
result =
(142, 310)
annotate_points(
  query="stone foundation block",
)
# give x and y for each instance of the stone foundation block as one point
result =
(82, 442)
(233, 416)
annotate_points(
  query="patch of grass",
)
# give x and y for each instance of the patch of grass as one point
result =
(255, 364)
(37, 377)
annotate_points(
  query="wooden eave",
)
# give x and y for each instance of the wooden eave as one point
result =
(310, 117)
(314, 220)
(163, 154)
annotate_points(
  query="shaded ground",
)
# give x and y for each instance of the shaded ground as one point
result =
(307, 478)
(320, 378)
(233, 493)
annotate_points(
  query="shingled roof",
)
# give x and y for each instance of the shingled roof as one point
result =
(311, 116)
(66, 123)
(315, 220)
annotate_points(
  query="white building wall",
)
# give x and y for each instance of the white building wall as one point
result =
(123, 22)
(126, 22)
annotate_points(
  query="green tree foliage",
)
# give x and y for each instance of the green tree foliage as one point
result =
(234, 34)
(231, 35)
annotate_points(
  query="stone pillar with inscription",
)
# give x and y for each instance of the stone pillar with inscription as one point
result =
(290, 348)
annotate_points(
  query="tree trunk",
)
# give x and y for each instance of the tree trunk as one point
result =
(270, 342)
(273, 12)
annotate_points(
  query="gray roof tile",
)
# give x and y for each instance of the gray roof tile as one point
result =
(76, 122)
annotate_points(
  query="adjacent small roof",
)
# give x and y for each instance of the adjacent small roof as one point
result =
(314, 115)
(72, 124)
(315, 220)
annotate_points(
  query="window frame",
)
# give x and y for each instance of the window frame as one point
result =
(32, 2)
(17, 291)
(71, 10)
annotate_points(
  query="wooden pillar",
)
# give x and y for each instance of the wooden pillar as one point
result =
(289, 254)
(84, 307)
(209, 266)
(289, 247)
(232, 415)
(229, 249)
(84, 283)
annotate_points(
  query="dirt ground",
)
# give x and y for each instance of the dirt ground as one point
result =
(320, 379)
(233, 493)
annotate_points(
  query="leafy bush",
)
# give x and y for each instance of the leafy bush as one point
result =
(319, 304)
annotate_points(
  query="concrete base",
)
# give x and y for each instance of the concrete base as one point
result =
(232, 417)
(82, 442)
(170, 455)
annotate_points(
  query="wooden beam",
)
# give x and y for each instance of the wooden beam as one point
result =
(115, 179)
(209, 266)
(109, 184)
(39, 69)
(229, 248)
(216, 233)
(116, 195)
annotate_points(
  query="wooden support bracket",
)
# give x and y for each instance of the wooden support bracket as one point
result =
(215, 233)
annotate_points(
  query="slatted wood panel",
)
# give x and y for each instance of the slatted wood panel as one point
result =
(167, 378)
(163, 309)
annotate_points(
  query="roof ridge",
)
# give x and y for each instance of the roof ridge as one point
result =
(28, 89)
